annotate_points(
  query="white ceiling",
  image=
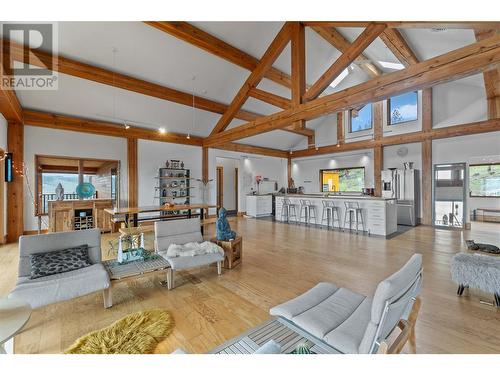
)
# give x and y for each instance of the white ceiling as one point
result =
(147, 53)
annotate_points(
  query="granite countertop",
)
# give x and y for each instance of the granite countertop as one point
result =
(337, 196)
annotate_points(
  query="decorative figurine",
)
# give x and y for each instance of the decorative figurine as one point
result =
(59, 192)
(223, 229)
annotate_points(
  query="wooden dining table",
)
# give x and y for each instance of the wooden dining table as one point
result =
(131, 214)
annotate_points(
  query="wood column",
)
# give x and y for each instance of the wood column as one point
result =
(298, 69)
(80, 171)
(340, 128)
(378, 165)
(15, 189)
(427, 182)
(378, 151)
(204, 164)
(289, 171)
(133, 178)
(427, 158)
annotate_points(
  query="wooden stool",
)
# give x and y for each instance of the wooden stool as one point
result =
(233, 251)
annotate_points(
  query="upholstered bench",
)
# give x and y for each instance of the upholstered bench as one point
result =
(477, 271)
(180, 232)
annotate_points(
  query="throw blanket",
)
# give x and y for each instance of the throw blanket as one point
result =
(193, 249)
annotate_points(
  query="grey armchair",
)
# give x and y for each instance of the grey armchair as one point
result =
(63, 286)
(350, 322)
(180, 232)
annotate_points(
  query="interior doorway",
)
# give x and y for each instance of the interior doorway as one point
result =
(449, 195)
(227, 184)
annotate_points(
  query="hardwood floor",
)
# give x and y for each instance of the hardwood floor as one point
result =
(280, 261)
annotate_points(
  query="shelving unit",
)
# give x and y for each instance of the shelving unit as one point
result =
(84, 219)
(174, 185)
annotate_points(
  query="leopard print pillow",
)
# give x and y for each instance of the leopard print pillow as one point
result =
(53, 262)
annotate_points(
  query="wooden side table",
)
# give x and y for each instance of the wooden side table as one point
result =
(233, 251)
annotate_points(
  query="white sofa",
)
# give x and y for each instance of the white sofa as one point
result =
(63, 286)
(180, 232)
(350, 322)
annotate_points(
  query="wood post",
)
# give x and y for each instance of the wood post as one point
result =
(378, 165)
(378, 151)
(340, 128)
(427, 182)
(289, 171)
(204, 164)
(15, 189)
(133, 177)
(298, 68)
(427, 158)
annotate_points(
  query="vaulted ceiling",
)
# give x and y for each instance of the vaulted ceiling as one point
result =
(142, 51)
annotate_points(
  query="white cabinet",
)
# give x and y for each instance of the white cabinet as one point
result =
(259, 205)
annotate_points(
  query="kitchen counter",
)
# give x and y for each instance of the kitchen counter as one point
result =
(336, 196)
(379, 214)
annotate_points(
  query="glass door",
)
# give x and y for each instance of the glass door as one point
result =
(449, 195)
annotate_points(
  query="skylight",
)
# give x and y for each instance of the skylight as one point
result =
(391, 65)
(340, 78)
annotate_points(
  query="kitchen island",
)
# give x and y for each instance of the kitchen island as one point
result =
(379, 214)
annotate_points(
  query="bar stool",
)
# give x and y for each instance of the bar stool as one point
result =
(286, 210)
(353, 208)
(330, 211)
(308, 209)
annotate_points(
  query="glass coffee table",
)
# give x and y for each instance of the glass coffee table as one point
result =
(120, 271)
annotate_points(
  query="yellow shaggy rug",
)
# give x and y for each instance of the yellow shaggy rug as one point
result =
(137, 333)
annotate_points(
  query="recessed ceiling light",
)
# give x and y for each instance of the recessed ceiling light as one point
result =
(391, 65)
(162, 130)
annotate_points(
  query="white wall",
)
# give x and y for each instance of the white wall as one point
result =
(459, 102)
(228, 185)
(152, 155)
(305, 172)
(471, 149)
(3, 146)
(41, 141)
(249, 166)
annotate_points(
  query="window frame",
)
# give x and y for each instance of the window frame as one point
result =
(321, 171)
(470, 175)
(389, 121)
(362, 130)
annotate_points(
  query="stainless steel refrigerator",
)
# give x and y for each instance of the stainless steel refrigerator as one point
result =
(404, 185)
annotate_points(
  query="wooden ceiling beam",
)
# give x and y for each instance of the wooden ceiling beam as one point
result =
(355, 49)
(71, 123)
(339, 42)
(450, 66)
(393, 39)
(239, 147)
(409, 24)
(100, 75)
(273, 51)
(10, 107)
(82, 125)
(480, 127)
(270, 98)
(491, 78)
(217, 47)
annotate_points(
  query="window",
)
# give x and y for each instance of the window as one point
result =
(67, 171)
(484, 180)
(360, 120)
(346, 180)
(402, 108)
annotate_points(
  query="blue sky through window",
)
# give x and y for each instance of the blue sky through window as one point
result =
(363, 121)
(403, 108)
